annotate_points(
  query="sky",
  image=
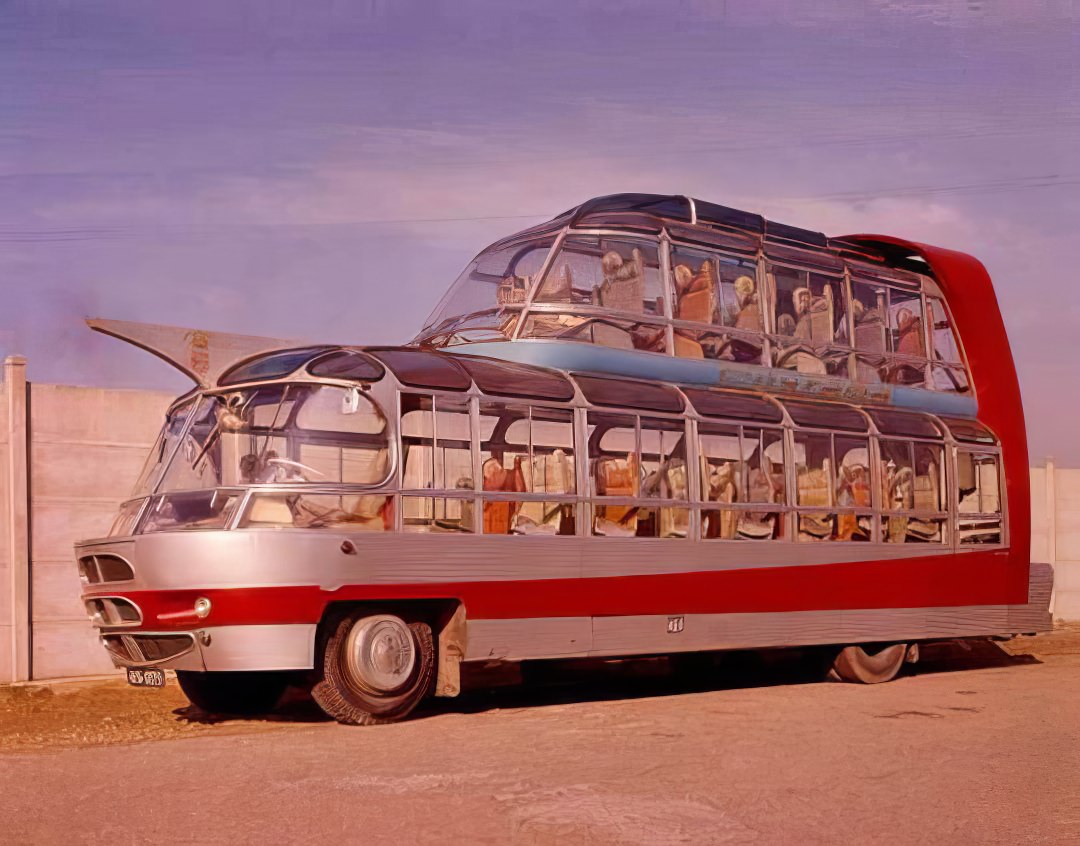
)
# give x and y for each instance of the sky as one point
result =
(324, 169)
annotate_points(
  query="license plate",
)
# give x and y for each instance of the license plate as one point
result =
(146, 678)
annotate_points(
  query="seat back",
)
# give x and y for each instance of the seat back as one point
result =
(623, 288)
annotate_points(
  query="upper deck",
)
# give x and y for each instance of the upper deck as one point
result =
(680, 290)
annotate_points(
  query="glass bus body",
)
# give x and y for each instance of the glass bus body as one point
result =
(652, 426)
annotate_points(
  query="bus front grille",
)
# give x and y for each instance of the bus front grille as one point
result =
(147, 649)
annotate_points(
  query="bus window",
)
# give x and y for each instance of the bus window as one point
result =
(163, 447)
(600, 330)
(852, 487)
(663, 464)
(436, 449)
(719, 290)
(190, 510)
(334, 422)
(978, 479)
(417, 434)
(486, 298)
(364, 512)
(437, 514)
(282, 434)
(446, 465)
(890, 343)
(897, 486)
(666, 522)
(906, 323)
(552, 439)
(808, 306)
(809, 316)
(621, 276)
(197, 462)
(740, 466)
(813, 484)
(531, 451)
(868, 305)
(911, 491)
(631, 461)
(928, 524)
(832, 471)
(723, 469)
(947, 367)
(615, 471)
(617, 273)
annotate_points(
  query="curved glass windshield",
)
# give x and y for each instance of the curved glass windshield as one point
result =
(282, 434)
(484, 302)
(162, 449)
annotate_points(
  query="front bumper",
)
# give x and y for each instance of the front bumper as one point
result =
(215, 648)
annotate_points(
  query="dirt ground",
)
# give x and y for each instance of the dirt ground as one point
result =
(977, 744)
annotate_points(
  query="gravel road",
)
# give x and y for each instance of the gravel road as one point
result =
(974, 746)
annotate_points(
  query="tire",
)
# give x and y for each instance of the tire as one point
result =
(376, 669)
(237, 693)
(869, 664)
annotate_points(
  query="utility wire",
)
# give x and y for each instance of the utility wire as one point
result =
(1001, 186)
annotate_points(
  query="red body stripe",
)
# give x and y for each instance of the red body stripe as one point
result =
(976, 578)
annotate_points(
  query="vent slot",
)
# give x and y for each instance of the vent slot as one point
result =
(98, 569)
(113, 611)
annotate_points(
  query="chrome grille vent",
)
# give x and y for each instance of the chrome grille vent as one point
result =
(97, 569)
(110, 611)
(147, 649)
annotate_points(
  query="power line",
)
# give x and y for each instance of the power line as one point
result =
(1021, 183)
(1011, 185)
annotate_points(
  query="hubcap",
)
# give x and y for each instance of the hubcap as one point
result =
(380, 654)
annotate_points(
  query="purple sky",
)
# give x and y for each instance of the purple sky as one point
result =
(261, 167)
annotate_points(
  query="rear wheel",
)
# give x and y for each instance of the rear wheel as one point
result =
(869, 664)
(376, 669)
(240, 693)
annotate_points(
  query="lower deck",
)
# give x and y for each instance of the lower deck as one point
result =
(550, 597)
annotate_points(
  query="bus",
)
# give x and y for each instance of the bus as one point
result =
(652, 426)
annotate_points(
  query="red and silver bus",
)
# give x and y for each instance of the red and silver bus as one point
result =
(651, 426)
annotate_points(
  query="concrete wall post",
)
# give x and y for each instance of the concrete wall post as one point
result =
(1051, 526)
(17, 515)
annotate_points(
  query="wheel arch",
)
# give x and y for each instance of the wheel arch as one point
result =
(447, 619)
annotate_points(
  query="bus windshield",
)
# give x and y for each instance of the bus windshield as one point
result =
(282, 434)
(484, 300)
(163, 447)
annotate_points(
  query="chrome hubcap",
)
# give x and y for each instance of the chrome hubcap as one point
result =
(380, 654)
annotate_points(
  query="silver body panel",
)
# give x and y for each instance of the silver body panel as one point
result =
(279, 557)
(224, 648)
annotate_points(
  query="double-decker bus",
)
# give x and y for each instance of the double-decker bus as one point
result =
(650, 426)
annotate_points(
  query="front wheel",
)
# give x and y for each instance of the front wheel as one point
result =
(869, 664)
(376, 669)
(239, 693)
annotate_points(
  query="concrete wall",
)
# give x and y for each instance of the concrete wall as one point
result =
(1055, 533)
(69, 456)
(6, 576)
(87, 446)
(82, 452)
